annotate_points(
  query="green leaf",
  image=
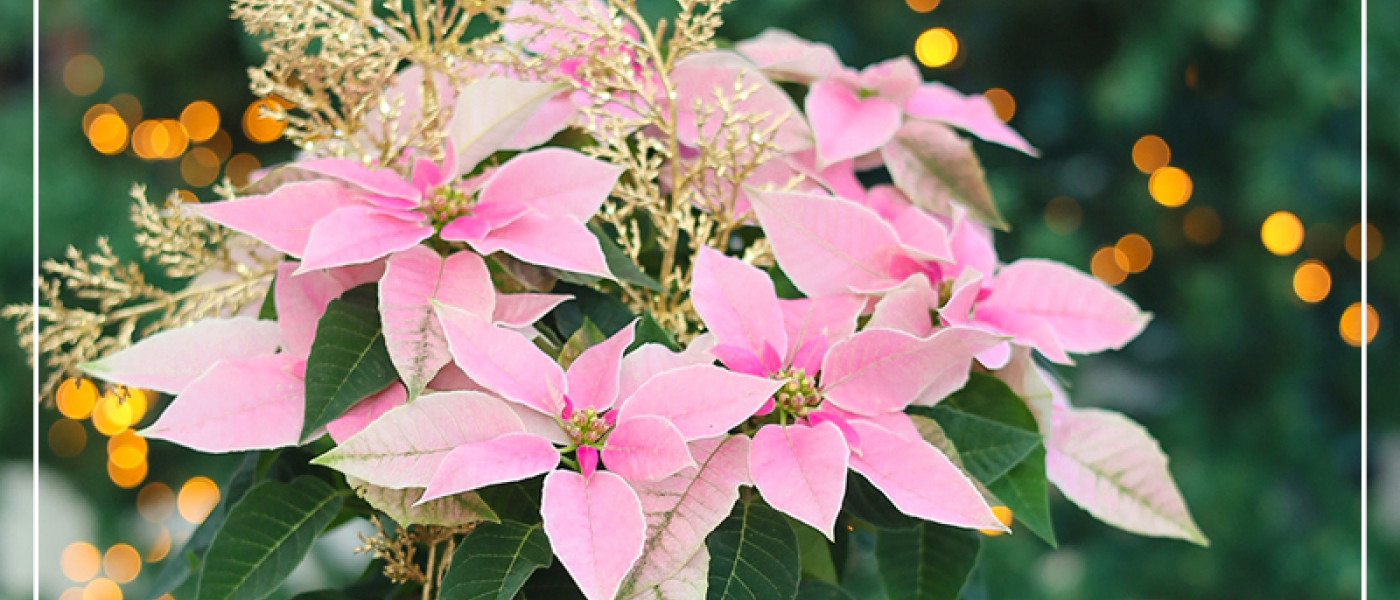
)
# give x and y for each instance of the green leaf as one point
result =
(649, 331)
(495, 561)
(928, 562)
(268, 310)
(929, 162)
(517, 501)
(586, 336)
(812, 589)
(988, 423)
(348, 360)
(607, 312)
(621, 265)
(1025, 491)
(753, 555)
(265, 537)
(181, 564)
(868, 503)
(816, 553)
(457, 509)
(784, 286)
(553, 583)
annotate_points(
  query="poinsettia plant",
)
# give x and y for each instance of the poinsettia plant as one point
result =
(580, 305)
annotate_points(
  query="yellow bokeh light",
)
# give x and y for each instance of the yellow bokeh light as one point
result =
(80, 561)
(260, 127)
(200, 167)
(1002, 103)
(122, 563)
(197, 497)
(1350, 324)
(1105, 263)
(240, 168)
(108, 134)
(76, 397)
(1150, 153)
(1201, 225)
(141, 139)
(936, 47)
(160, 548)
(1373, 241)
(139, 400)
(102, 589)
(1312, 281)
(1170, 186)
(200, 119)
(67, 438)
(1004, 515)
(95, 111)
(82, 75)
(169, 139)
(126, 449)
(128, 107)
(111, 416)
(1063, 215)
(922, 6)
(1282, 233)
(127, 478)
(1135, 251)
(155, 502)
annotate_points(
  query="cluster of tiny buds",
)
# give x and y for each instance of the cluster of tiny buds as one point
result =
(447, 203)
(587, 426)
(800, 394)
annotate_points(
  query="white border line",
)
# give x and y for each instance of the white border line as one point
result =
(34, 399)
(1365, 265)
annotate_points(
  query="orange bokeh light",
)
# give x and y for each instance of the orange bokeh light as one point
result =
(76, 397)
(1170, 186)
(200, 119)
(1350, 324)
(1105, 263)
(1002, 102)
(1150, 153)
(1136, 252)
(1282, 233)
(197, 497)
(80, 561)
(260, 127)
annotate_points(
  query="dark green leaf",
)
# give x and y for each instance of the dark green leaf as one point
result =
(816, 552)
(348, 360)
(1026, 493)
(753, 555)
(495, 561)
(649, 331)
(811, 589)
(586, 336)
(517, 501)
(607, 312)
(864, 501)
(928, 562)
(782, 285)
(265, 537)
(268, 310)
(373, 586)
(988, 423)
(621, 265)
(182, 563)
(553, 583)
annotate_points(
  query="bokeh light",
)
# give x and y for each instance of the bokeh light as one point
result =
(922, 6)
(197, 497)
(82, 75)
(126, 449)
(76, 397)
(936, 47)
(141, 140)
(220, 143)
(1002, 103)
(1282, 233)
(1104, 265)
(111, 416)
(200, 119)
(80, 561)
(72, 593)
(1350, 324)
(155, 502)
(169, 139)
(127, 106)
(122, 563)
(67, 438)
(127, 478)
(240, 168)
(160, 548)
(93, 112)
(1063, 215)
(1373, 241)
(1004, 515)
(1201, 225)
(108, 133)
(1135, 252)
(1170, 186)
(200, 167)
(1312, 281)
(102, 589)
(259, 127)
(1150, 153)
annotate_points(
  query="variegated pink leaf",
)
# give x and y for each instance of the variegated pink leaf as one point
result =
(801, 471)
(847, 125)
(701, 400)
(247, 404)
(932, 165)
(737, 303)
(593, 376)
(829, 246)
(919, 479)
(883, 370)
(596, 527)
(366, 411)
(170, 360)
(283, 218)
(786, 57)
(973, 114)
(511, 457)
(489, 112)
(645, 449)
(576, 186)
(503, 361)
(1085, 314)
(414, 278)
(359, 234)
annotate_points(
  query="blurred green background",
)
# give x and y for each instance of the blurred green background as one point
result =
(1252, 391)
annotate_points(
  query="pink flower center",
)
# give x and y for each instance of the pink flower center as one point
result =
(447, 203)
(587, 428)
(799, 395)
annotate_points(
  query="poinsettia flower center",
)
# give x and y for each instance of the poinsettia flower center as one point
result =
(799, 395)
(587, 427)
(447, 203)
